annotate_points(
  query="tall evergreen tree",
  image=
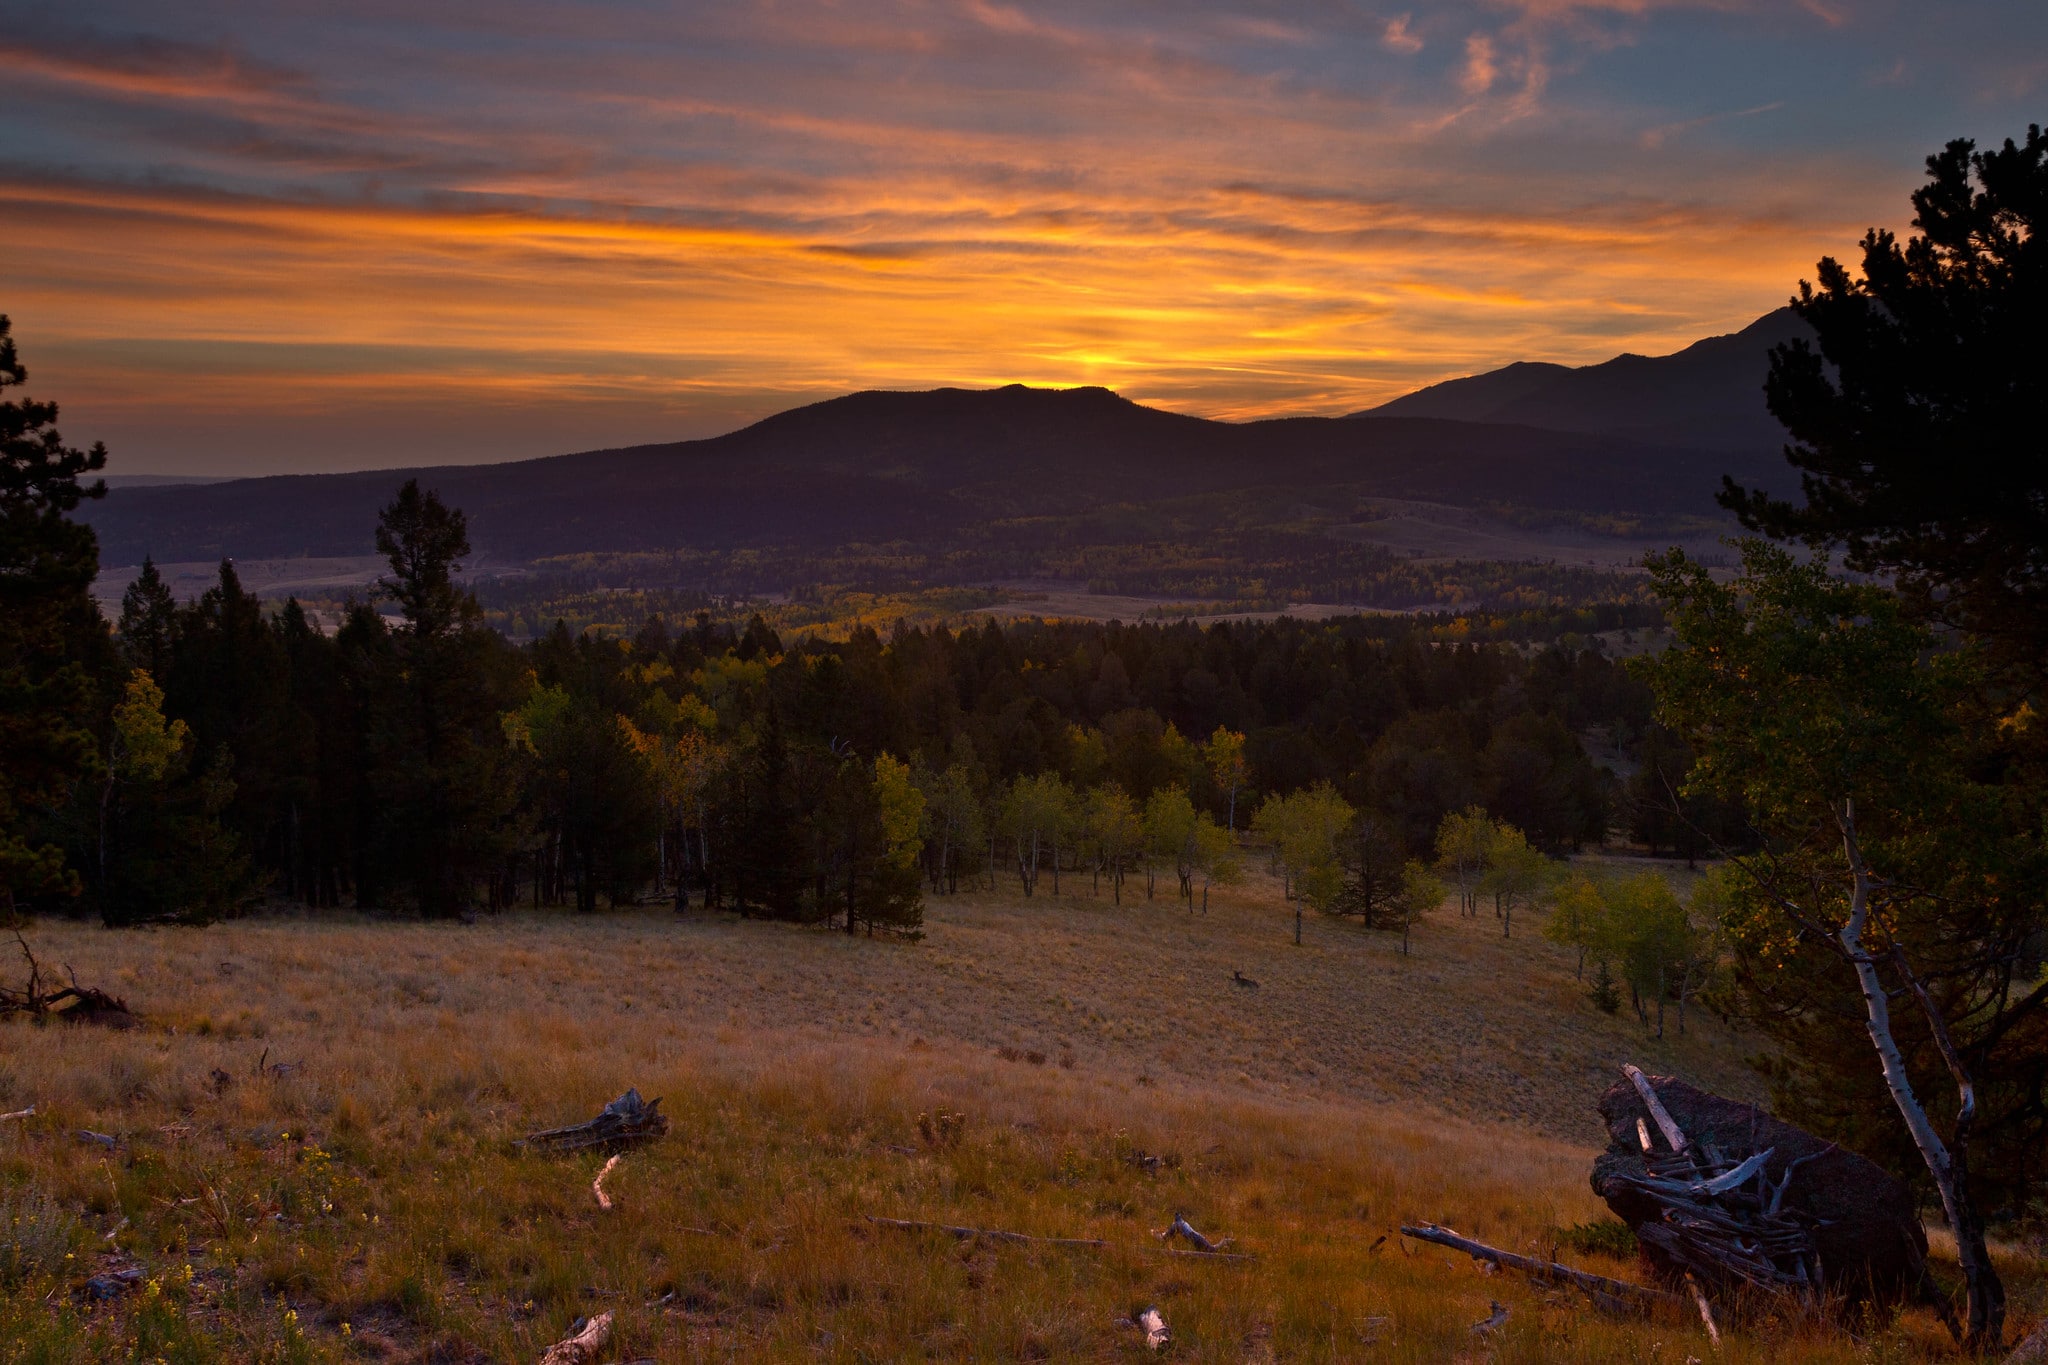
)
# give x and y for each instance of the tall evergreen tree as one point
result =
(442, 790)
(52, 638)
(148, 621)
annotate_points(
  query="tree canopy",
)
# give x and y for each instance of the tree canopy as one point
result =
(1919, 415)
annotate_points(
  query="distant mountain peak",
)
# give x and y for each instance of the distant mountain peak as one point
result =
(1708, 395)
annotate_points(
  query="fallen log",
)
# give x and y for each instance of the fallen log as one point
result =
(1180, 1227)
(1607, 1293)
(993, 1234)
(625, 1121)
(580, 1347)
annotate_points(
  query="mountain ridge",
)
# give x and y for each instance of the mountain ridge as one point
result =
(884, 465)
(1708, 395)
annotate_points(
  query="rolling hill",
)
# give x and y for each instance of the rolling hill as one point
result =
(888, 466)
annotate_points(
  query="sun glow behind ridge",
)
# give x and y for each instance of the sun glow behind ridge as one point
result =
(529, 229)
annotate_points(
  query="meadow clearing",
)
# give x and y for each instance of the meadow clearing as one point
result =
(369, 1202)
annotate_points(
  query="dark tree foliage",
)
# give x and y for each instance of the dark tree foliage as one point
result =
(52, 640)
(1372, 854)
(1661, 812)
(420, 762)
(1920, 423)
(438, 759)
(148, 619)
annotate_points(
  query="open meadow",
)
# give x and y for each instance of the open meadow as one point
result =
(366, 1200)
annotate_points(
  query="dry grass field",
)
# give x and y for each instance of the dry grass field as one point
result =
(370, 1203)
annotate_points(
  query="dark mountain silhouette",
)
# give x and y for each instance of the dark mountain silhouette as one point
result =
(883, 466)
(1709, 396)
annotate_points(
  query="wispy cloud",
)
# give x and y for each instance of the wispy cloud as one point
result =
(655, 221)
(1654, 138)
(1398, 37)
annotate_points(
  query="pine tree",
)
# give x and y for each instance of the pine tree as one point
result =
(148, 621)
(52, 638)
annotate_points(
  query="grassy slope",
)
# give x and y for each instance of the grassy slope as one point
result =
(378, 1185)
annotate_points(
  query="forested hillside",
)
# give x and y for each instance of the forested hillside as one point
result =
(427, 761)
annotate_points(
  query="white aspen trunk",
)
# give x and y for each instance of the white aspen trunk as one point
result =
(1986, 1292)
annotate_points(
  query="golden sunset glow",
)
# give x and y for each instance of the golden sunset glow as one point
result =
(254, 252)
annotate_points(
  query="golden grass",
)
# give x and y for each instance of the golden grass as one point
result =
(376, 1185)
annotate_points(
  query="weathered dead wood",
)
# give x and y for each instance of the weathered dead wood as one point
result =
(2033, 1350)
(1494, 1323)
(1662, 1116)
(581, 1347)
(1605, 1292)
(625, 1121)
(604, 1201)
(27, 1113)
(1201, 1255)
(993, 1234)
(1180, 1227)
(1153, 1325)
(1699, 1296)
(73, 1004)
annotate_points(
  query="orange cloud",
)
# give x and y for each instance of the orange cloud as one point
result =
(550, 237)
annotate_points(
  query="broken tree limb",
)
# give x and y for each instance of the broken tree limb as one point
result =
(1180, 1227)
(1736, 1178)
(994, 1234)
(27, 1113)
(1618, 1291)
(74, 1004)
(625, 1121)
(581, 1347)
(1665, 1124)
(604, 1201)
(1498, 1320)
(1699, 1296)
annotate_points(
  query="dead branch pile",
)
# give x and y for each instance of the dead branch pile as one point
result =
(74, 1004)
(625, 1121)
(1740, 1200)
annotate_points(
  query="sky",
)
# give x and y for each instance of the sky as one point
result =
(285, 236)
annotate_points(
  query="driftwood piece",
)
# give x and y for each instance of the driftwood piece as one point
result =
(1180, 1227)
(1699, 1296)
(625, 1121)
(993, 1234)
(580, 1347)
(1609, 1294)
